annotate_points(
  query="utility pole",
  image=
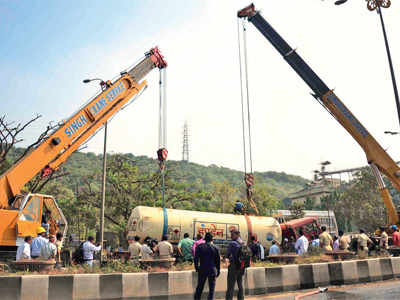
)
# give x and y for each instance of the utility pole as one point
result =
(103, 192)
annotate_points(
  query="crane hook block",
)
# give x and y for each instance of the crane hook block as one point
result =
(162, 154)
(46, 172)
(249, 179)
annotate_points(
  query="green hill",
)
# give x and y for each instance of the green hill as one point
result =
(196, 176)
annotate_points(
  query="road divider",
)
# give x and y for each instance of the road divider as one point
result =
(181, 284)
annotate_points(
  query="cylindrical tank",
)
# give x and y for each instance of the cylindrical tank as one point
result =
(156, 221)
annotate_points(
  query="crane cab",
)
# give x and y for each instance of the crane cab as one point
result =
(25, 215)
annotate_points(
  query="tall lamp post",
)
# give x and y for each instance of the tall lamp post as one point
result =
(377, 5)
(103, 187)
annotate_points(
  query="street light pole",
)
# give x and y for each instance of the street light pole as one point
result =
(103, 192)
(396, 94)
(377, 5)
(104, 85)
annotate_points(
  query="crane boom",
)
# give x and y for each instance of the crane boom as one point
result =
(67, 138)
(377, 157)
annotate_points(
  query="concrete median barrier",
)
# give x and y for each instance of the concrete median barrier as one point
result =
(181, 285)
(34, 287)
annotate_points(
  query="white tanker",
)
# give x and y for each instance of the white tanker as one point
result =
(156, 221)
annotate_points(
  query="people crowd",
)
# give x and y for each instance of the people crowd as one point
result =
(43, 247)
(206, 256)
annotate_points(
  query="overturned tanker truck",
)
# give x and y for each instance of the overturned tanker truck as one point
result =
(156, 221)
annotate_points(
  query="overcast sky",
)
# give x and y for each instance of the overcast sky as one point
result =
(48, 47)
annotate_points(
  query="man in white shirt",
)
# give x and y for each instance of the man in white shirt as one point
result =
(49, 251)
(301, 245)
(164, 248)
(88, 249)
(38, 242)
(24, 250)
(146, 250)
(262, 252)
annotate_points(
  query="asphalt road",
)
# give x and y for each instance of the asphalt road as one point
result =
(373, 291)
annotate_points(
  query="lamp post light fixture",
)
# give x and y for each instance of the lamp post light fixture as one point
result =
(391, 132)
(104, 85)
(377, 5)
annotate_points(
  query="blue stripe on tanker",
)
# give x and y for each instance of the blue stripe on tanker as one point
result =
(165, 226)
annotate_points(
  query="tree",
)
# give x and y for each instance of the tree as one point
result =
(362, 203)
(10, 135)
(309, 204)
(265, 201)
(297, 210)
(224, 197)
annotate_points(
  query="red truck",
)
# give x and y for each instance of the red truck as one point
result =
(292, 228)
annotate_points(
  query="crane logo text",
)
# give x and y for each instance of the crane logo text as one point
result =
(75, 125)
(107, 99)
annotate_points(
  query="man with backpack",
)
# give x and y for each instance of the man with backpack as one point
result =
(207, 264)
(239, 259)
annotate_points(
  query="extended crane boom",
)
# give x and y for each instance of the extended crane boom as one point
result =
(50, 154)
(377, 157)
(22, 214)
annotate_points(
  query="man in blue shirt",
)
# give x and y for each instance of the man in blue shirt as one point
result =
(209, 268)
(238, 207)
(274, 249)
(38, 242)
(235, 272)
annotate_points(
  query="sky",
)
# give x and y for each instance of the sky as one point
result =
(49, 47)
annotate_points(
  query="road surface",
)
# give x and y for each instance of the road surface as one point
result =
(372, 291)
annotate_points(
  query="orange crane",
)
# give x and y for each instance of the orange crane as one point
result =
(378, 159)
(21, 215)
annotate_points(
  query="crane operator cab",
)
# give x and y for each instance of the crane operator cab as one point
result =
(28, 212)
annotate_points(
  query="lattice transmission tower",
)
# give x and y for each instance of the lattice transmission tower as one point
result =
(185, 143)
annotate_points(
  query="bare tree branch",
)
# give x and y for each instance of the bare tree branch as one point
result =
(9, 135)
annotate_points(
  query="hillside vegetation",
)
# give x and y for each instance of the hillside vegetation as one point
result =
(135, 180)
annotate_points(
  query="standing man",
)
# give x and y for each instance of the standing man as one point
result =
(38, 242)
(315, 241)
(325, 240)
(209, 268)
(146, 251)
(384, 242)
(363, 241)
(164, 248)
(135, 248)
(274, 249)
(343, 241)
(88, 249)
(262, 252)
(24, 250)
(185, 248)
(49, 251)
(301, 245)
(396, 236)
(255, 248)
(235, 272)
(59, 238)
